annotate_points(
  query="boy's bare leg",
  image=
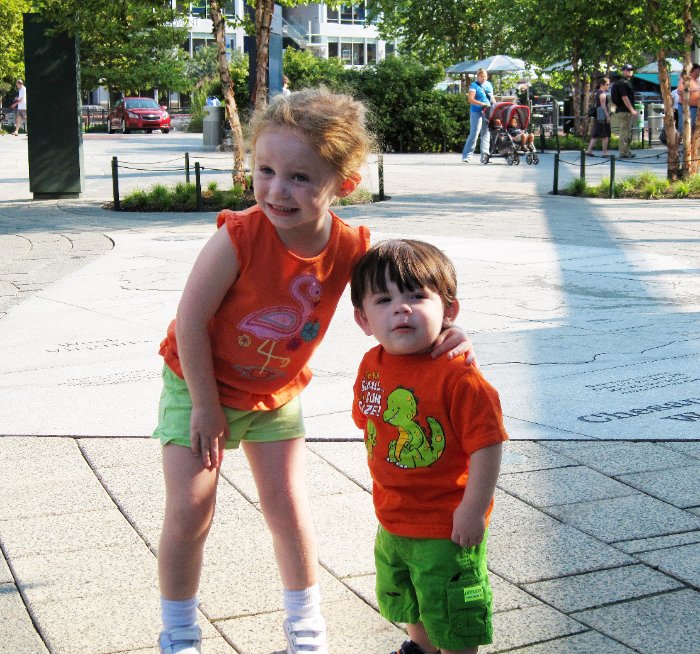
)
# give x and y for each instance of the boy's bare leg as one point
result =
(189, 511)
(279, 471)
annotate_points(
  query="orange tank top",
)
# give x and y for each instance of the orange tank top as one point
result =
(276, 312)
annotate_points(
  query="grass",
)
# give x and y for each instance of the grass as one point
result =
(183, 197)
(645, 186)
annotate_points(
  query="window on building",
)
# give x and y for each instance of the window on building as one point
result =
(371, 53)
(332, 49)
(200, 8)
(198, 44)
(390, 49)
(346, 14)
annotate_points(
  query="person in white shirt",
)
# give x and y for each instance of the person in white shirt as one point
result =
(21, 104)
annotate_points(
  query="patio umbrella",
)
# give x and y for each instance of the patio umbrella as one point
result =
(650, 72)
(460, 68)
(498, 64)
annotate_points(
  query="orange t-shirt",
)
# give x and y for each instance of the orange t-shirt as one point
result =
(275, 314)
(694, 87)
(422, 419)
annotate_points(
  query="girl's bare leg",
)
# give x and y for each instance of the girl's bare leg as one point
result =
(279, 471)
(189, 510)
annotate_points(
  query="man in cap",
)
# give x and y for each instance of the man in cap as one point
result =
(622, 95)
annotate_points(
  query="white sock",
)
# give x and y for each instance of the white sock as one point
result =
(179, 614)
(304, 603)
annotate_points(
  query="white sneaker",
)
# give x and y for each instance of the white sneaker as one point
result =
(181, 641)
(306, 635)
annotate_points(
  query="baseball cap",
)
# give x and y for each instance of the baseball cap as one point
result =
(627, 67)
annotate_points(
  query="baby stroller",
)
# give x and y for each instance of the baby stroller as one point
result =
(500, 116)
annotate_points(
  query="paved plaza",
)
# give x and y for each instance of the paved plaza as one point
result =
(583, 313)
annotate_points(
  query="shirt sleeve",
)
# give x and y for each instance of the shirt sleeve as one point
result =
(476, 412)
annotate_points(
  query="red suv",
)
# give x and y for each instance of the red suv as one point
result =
(138, 113)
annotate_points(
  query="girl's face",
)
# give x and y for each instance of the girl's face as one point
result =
(514, 122)
(294, 186)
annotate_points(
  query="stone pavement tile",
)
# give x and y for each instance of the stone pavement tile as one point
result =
(536, 553)
(349, 458)
(578, 592)
(56, 495)
(658, 543)
(664, 623)
(619, 458)
(5, 574)
(17, 633)
(118, 452)
(77, 574)
(263, 634)
(691, 448)
(679, 486)
(529, 625)
(561, 486)
(583, 643)
(524, 456)
(510, 514)
(625, 518)
(507, 596)
(680, 562)
(53, 534)
(103, 624)
(345, 529)
(364, 587)
(23, 457)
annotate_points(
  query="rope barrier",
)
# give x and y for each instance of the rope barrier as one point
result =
(152, 162)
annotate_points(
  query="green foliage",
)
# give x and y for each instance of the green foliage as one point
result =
(408, 114)
(11, 50)
(128, 45)
(307, 71)
(646, 185)
(183, 197)
(576, 187)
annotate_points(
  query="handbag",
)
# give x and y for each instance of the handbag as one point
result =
(591, 111)
(600, 115)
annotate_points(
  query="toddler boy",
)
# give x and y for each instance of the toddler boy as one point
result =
(433, 431)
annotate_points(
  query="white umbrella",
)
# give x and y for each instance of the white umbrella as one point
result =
(674, 66)
(498, 64)
(460, 68)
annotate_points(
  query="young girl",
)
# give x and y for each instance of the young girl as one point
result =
(255, 307)
(522, 139)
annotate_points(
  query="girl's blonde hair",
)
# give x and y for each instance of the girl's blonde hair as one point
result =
(333, 124)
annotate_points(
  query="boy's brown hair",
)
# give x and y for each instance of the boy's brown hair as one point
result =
(409, 264)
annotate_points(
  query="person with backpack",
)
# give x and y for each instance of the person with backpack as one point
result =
(622, 96)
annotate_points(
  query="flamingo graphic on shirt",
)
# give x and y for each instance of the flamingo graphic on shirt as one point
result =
(272, 324)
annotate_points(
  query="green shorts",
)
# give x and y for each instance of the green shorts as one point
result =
(438, 583)
(283, 423)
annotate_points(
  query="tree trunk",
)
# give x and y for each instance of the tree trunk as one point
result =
(219, 30)
(673, 167)
(691, 137)
(263, 20)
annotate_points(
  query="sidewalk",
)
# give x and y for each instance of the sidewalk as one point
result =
(584, 315)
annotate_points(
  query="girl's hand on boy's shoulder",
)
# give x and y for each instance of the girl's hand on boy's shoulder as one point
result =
(453, 341)
(209, 431)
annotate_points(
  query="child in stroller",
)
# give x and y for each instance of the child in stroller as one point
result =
(513, 141)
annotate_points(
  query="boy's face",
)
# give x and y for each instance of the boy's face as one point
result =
(405, 322)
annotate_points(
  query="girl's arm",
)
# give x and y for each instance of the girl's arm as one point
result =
(212, 276)
(453, 342)
(469, 520)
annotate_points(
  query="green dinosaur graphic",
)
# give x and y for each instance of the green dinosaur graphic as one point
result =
(371, 438)
(413, 448)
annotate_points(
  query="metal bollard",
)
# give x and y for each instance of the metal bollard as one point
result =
(115, 184)
(380, 169)
(542, 140)
(582, 173)
(198, 185)
(187, 167)
(612, 177)
(555, 186)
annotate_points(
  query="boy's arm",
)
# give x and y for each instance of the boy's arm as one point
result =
(212, 275)
(469, 521)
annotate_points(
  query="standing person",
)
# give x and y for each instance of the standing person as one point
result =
(255, 307)
(601, 123)
(433, 433)
(480, 96)
(21, 104)
(285, 85)
(623, 98)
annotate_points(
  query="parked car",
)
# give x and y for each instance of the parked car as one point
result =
(138, 113)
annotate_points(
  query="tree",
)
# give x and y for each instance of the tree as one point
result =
(127, 45)
(443, 31)
(11, 50)
(219, 29)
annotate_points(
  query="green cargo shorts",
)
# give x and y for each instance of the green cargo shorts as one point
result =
(438, 583)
